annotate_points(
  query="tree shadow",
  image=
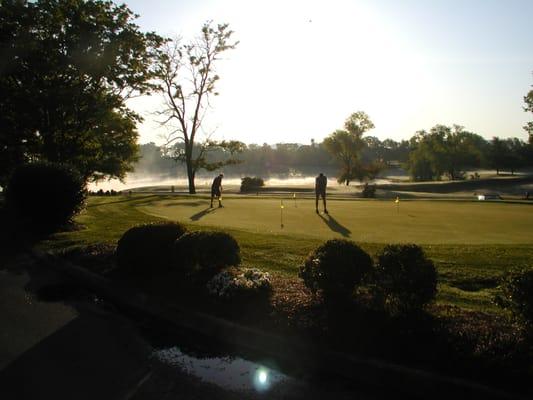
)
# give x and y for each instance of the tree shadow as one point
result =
(126, 200)
(202, 214)
(334, 225)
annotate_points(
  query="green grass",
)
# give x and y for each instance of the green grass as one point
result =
(471, 243)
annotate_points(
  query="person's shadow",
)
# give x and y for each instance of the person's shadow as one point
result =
(202, 214)
(334, 225)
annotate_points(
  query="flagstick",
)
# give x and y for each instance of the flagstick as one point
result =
(281, 214)
(294, 197)
(397, 205)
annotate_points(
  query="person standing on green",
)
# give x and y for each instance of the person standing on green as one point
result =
(320, 190)
(216, 190)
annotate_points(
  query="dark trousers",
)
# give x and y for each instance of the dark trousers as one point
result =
(320, 193)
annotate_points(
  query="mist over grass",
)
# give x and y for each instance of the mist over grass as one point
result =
(204, 181)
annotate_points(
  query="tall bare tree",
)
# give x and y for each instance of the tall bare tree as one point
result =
(187, 72)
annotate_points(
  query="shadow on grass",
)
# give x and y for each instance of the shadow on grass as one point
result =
(334, 225)
(184, 203)
(130, 199)
(202, 214)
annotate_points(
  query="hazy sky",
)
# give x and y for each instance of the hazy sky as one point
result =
(303, 66)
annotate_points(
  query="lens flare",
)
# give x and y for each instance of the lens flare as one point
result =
(263, 376)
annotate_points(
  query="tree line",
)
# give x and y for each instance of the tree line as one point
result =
(441, 153)
(68, 68)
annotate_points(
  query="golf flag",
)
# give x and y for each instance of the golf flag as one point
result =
(294, 195)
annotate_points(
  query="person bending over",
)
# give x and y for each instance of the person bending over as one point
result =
(216, 190)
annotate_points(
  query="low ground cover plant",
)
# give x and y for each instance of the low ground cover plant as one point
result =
(241, 284)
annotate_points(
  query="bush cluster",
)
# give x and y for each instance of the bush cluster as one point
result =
(101, 192)
(249, 184)
(44, 196)
(196, 259)
(402, 281)
(146, 249)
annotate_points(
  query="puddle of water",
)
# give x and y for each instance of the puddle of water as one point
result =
(227, 372)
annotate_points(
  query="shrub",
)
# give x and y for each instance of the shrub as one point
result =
(335, 268)
(517, 288)
(250, 184)
(206, 253)
(405, 279)
(146, 250)
(369, 191)
(44, 196)
(245, 284)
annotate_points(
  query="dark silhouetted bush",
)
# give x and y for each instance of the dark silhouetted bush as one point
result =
(369, 191)
(517, 288)
(146, 250)
(335, 268)
(44, 196)
(249, 184)
(405, 279)
(206, 253)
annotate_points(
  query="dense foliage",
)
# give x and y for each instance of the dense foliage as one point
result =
(528, 99)
(335, 268)
(67, 69)
(205, 253)
(517, 296)
(146, 250)
(405, 279)
(346, 145)
(369, 191)
(250, 184)
(43, 196)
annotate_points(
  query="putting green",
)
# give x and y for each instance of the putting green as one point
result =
(423, 222)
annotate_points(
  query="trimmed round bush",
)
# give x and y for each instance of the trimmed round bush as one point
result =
(335, 268)
(44, 196)
(517, 290)
(405, 278)
(205, 253)
(145, 250)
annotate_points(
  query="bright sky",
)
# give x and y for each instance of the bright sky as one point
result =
(303, 66)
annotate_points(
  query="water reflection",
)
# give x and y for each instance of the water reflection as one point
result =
(227, 372)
